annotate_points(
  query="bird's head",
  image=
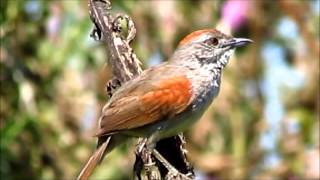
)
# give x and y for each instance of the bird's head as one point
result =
(208, 46)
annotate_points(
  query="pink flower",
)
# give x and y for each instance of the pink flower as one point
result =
(234, 12)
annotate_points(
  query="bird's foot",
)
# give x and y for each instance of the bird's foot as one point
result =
(173, 173)
(144, 152)
(144, 160)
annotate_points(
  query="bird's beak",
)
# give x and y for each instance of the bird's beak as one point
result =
(237, 42)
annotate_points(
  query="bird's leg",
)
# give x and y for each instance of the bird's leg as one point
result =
(151, 169)
(173, 173)
(141, 144)
(138, 165)
(144, 148)
(150, 145)
(144, 159)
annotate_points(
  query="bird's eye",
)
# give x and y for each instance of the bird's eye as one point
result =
(213, 41)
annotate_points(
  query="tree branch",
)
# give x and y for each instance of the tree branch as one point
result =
(124, 62)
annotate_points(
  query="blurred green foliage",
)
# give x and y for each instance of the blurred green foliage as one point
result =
(53, 77)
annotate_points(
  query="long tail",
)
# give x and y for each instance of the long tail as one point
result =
(94, 160)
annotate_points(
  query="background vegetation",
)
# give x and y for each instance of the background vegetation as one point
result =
(263, 125)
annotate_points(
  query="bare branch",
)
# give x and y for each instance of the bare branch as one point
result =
(124, 62)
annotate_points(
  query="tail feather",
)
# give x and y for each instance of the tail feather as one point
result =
(94, 160)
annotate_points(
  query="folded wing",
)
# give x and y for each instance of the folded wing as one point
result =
(145, 102)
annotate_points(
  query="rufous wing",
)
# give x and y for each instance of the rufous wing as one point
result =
(163, 98)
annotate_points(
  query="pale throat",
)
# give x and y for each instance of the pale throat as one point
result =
(204, 70)
(206, 76)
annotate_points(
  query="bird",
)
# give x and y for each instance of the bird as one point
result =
(166, 99)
